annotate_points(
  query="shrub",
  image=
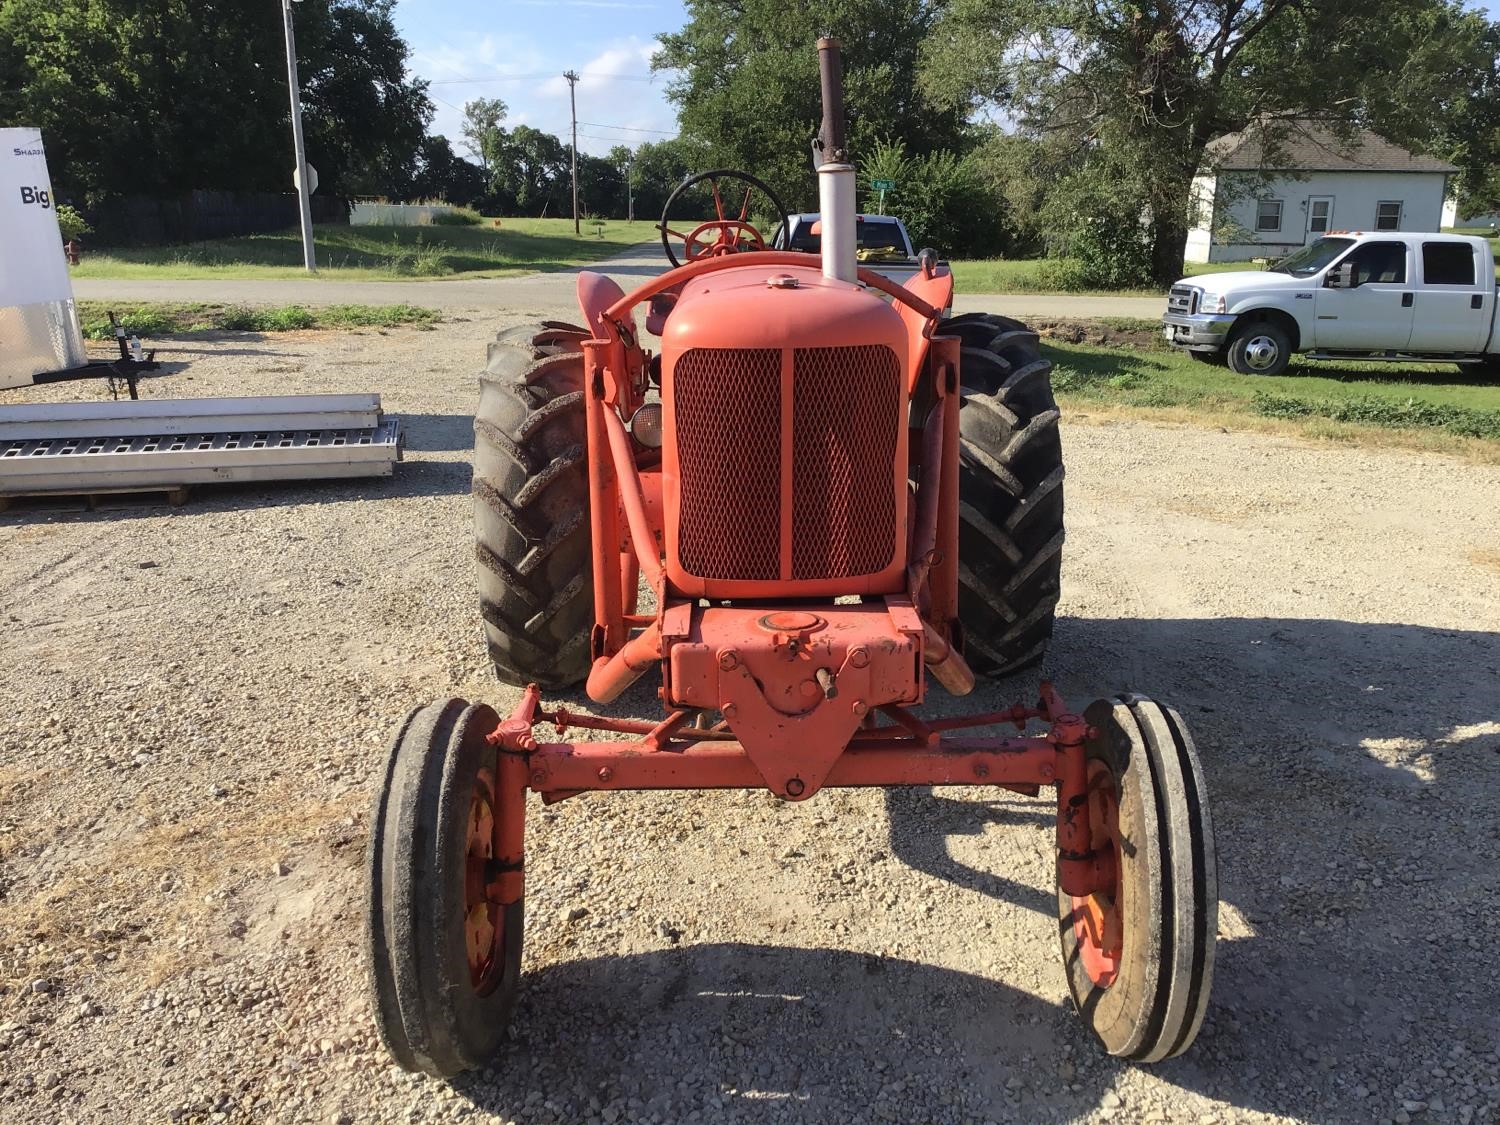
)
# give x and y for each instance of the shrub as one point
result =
(457, 217)
(72, 224)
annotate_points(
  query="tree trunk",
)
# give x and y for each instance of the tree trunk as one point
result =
(1169, 233)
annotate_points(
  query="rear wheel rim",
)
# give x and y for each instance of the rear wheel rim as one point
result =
(1098, 922)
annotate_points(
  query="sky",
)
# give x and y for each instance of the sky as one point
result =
(521, 48)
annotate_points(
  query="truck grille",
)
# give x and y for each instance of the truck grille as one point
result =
(1183, 300)
(845, 420)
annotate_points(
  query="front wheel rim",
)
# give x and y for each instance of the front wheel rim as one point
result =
(1098, 924)
(1261, 353)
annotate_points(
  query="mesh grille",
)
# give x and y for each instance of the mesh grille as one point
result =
(727, 404)
(846, 415)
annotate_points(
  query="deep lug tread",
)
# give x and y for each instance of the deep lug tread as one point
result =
(1010, 494)
(533, 550)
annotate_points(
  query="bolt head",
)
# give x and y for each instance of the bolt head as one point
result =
(538, 777)
(729, 710)
(729, 660)
(605, 773)
(860, 708)
(981, 769)
(859, 656)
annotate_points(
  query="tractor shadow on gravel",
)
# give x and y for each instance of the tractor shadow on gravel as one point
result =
(762, 1033)
(1352, 770)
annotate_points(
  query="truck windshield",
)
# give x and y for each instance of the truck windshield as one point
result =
(1310, 259)
(871, 235)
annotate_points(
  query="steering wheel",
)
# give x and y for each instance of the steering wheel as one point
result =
(729, 232)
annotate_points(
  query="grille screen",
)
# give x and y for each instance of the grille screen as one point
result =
(728, 413)
(846, 412)
(845, 425)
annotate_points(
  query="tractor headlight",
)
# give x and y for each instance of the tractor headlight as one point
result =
(1211, 302)
(645, 425)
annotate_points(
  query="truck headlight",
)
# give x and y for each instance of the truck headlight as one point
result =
(1212, 303)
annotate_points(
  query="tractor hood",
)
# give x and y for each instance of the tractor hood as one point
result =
(779, 307)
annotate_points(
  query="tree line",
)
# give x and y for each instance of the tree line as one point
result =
(1012, 127)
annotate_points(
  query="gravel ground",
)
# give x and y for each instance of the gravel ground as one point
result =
(197, 699)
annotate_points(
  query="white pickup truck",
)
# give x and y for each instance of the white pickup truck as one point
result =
(882, 241)
(1349, 295)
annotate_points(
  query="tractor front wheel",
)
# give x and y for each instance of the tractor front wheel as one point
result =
(1140, 955)
(444, 946)
(1010, 494)
(531, 506)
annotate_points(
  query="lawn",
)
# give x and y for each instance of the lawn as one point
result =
(1425, 405)
(1029, 275)
(154, 319)
(372, 253)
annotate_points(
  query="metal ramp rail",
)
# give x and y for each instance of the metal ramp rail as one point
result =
(169, 443)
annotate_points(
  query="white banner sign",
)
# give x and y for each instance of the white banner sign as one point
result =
(33, 268)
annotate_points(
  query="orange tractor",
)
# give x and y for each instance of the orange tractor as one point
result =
(829, 490)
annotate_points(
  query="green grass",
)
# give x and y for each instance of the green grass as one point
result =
(1004, 275)
(155, 319)
(367, 253)
(1418, 398)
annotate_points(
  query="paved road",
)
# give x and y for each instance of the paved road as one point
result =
(550, 293)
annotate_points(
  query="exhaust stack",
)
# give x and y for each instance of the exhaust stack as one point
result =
(836, 198)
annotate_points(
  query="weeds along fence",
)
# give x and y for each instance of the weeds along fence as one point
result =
(195, 216)
(375, 214)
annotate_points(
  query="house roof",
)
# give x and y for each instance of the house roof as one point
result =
(1312, 146)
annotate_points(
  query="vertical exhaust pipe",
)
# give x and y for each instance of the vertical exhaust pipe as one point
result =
(835, 173)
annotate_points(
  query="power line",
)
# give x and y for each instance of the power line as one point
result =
(534, 77)
(628, 128)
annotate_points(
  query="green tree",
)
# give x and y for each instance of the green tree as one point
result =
(660, 166)
(530, 173)
(601, 187)
(1125, 96)
(941, 197)
(483, 135)
(164, 96)
(442, 174)
(747, 83)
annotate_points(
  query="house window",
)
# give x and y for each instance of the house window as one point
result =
(1317, 215)
(1447, 263)
(1268, 216)
(1388, 215)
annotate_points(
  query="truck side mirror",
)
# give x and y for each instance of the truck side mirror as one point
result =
(1341, 277)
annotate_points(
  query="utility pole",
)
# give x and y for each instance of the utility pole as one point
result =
(572, 77)
(304, 189)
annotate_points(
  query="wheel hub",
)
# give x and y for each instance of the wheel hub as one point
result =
(1261, 353)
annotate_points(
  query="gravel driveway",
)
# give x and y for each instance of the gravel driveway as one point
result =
(196, 700)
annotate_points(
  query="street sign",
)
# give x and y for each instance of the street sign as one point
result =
(883, 185)
(312, 179)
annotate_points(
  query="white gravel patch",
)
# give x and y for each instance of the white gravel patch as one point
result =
(195, 700)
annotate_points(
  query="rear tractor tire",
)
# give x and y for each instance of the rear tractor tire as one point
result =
(531, 507)
(1010, 494)
(1140, 959)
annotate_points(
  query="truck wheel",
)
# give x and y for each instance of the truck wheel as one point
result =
(1010, 495)
(531, 512)
(1259, 348)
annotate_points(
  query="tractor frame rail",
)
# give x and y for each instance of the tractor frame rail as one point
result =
(905, 750)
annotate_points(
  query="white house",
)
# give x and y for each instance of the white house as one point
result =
(1264, 200)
